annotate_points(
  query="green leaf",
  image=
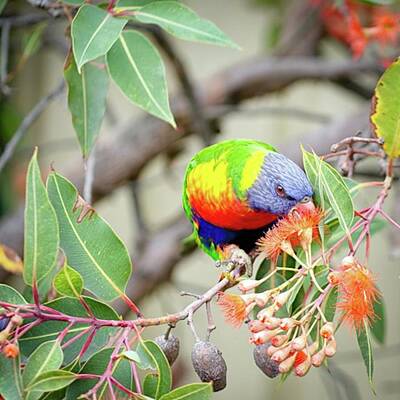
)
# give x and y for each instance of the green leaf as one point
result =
(3, 3)
(137, 68)
(97, 364)
(93, 32)
(46, 357)
(33, 41)
(364, 342)
(334, 188)
(68, 282)
(49, 330)
(153, 357)
(51, 381)
(193, 391)
(150, 383)
(378, 325)
(182, 22)
(385, 115)
(330, 304)
(87, 93)
(133, 4)
(132, 356)
(72, 2)
(41, 228)
(10, 378)
(10, 295)
(91, 246)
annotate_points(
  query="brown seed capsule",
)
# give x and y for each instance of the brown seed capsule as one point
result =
(169, 346)
(209, 364)
(264, 361)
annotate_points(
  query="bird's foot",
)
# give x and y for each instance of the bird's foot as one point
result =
(236, 258)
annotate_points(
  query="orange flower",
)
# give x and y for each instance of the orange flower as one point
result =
(292, 229)
(233, 307)
(11, 350)
(357, 39)
(386, 27)
(357, 293)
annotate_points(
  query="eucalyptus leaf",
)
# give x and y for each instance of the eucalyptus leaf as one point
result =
(137, 68)
(385, 116)
(365, 345)
(10, 295)
(93, 32)
(41, 228)
(87, 93)
(378, 324)
(52, 381)
(193, 391)
(68, 282)
(150, 384)
(182, 22)
(3, 3)
(10, 378)
(91, 246)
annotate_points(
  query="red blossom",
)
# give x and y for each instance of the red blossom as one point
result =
(233, 308)
(386, 26)
(357, 294)
(301, 356)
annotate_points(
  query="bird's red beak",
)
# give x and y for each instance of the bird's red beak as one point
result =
(304, 206)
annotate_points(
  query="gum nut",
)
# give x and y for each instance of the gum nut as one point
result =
(263, 361)
(209, 364)
(169, 346)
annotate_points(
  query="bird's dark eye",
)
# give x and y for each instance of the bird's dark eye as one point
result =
(280, 191)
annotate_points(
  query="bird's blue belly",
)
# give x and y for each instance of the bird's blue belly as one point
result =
(210, 234)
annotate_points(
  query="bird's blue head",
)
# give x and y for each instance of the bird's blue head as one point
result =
(280, 186)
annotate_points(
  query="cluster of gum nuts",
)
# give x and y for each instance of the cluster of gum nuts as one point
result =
(7, 325)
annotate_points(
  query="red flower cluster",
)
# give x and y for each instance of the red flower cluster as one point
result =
(358, 25)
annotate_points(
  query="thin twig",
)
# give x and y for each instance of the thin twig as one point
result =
(29, 119)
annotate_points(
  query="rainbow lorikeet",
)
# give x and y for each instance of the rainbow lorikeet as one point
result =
(234, 191)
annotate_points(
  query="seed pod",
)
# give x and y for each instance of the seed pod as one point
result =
(169, 346)
(3, 323)
(264, 361)
(209, 364)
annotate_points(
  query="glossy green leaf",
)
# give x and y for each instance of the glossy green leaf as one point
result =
(51, 381)
(46, 357)
(87, 92)
(49, 330)
(10, 295)
(150, 384)
(132, 356)
(137, 68)
(72, 2)
(385, 115)
(193, 391)
(10, 378)
(97, 364)
(335, 190)
(93, 32)
(365, 345)
(153, 357)
(33, 41)
(68, 282)
(330, 304)
(378, 325)
(182, 22)
(133, 4)
(91, 246)
(41, 228)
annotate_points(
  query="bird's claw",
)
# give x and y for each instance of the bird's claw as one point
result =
(237, 258)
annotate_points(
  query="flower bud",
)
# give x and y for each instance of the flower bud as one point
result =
(272, 349)
(256, 326)
(334, 278)
(279, 340)
(263, 336)
(248, 298)
(303, 368)
(11, 350)
(287, 247)
(287, 323)
(209, 364)
(169, 346)
(286, 365)
(272, 323)
(262, 298)
(264, 361)
(299, 343)
(282, 298)
(17, 320)
(282, 354)
(318, 358)
(313, 348)
(264, 314)
(348, 262)
(330, 348)
(248, 284)
(306, 236)
(327, 330)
